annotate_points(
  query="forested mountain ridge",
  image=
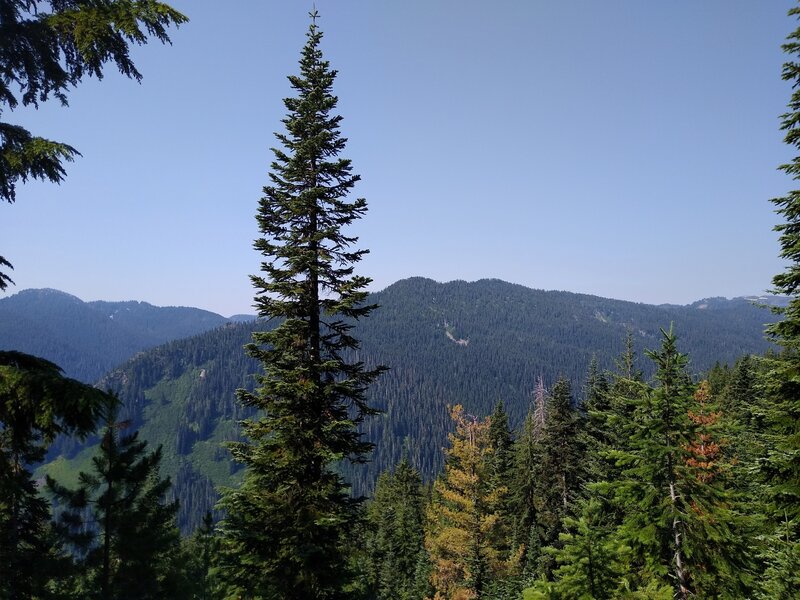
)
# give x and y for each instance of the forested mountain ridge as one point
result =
(87, 339)
(182, 393)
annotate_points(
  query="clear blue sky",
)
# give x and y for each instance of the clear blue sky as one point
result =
(624, 148)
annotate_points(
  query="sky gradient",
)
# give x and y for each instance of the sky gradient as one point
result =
(625, 149)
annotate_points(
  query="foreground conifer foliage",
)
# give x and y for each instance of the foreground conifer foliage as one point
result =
(286, 525)
(782, 465)
(37, 403)
(661, 513)
(47, 47)
(118, 520)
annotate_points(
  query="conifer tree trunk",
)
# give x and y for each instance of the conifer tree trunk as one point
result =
(669, 368)
(683, 590)
(105, 583)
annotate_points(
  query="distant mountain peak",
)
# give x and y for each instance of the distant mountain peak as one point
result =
(87, 339)
(42, 293)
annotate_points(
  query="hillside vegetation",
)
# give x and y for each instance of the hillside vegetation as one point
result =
(181, 394)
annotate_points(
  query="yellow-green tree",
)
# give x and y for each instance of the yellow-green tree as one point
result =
(462, 518)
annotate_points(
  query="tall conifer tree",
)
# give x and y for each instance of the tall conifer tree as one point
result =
(285, 526)
(395, 533)
(119, 521)
(649, 491)
(595, 435)
(788, 329)
(679, 524)
(527, 457)
(786, 463)
(782, 465)
(500, 472)
(462, 522)
(559, 475)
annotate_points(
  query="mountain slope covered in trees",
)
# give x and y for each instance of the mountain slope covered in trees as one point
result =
(87, 339)
(446, 343)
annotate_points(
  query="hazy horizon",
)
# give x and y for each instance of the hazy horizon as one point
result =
(250, 311)
(625, 150)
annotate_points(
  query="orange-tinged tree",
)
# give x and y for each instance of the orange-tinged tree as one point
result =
(681, 525)
(462, 518)
(704, 450)
(721, 557)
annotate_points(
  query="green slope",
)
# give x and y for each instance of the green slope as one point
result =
(467, 343)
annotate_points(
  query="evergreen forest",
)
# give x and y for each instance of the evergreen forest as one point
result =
(330, 450)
